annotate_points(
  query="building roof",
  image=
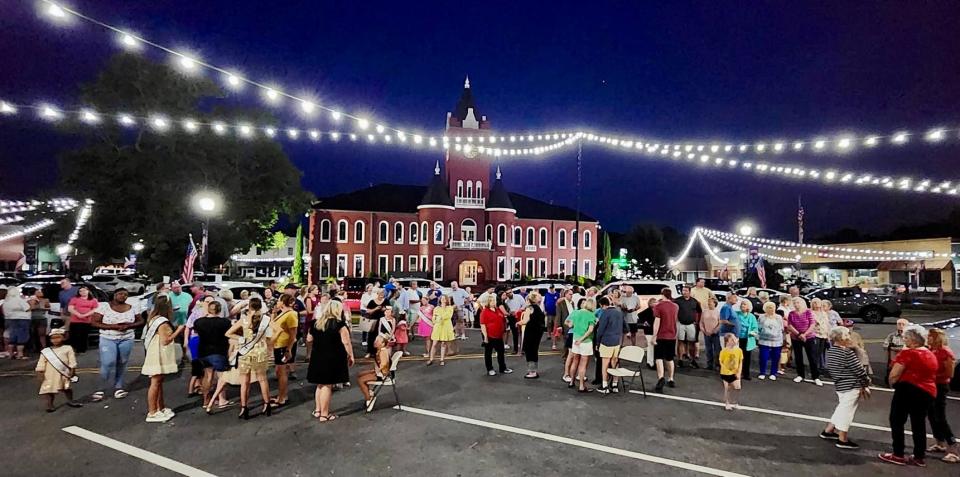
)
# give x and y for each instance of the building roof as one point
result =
(465, 102)
(438, 193)
(405, 199)
(499, 197)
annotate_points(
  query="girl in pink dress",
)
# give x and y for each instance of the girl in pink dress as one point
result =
(425, 324)
(402, 337)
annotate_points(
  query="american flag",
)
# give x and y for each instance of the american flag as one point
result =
(21, 261)
(800, 220)
(187, 275)
(761, 273)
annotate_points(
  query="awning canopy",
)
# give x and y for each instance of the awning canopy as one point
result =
(913, 265)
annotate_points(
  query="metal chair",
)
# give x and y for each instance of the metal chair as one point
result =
(632, 354)
(390, 380)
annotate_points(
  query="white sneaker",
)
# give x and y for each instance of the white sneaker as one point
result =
(363, 343)
(773, 377)
(818, 382)
(761, 377)
(168, 412)
(491, 373)
(157, 417)
(567, 379)
(507, 371)
(798, 379)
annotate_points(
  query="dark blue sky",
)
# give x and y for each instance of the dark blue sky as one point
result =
(711, 70)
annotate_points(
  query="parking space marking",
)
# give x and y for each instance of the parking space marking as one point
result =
(573, 442)
(877, 388)
(773, 412)
(147, 456)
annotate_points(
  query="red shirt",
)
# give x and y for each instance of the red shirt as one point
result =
(82, 306)
(919, 368)
(667, 311)
(943, 373)
(494, 321)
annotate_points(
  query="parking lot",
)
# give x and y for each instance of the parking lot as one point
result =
(457, 421)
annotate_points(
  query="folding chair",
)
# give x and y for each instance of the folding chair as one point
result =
(633, 354)
(390, 380)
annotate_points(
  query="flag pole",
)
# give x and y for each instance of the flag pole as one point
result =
(800, 214)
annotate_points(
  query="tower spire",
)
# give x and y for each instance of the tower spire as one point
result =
(498, 172)
(466, 83)
(436, 169)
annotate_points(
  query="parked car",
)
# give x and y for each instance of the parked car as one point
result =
(355, 288)
(541, 287)
(854, 302)
(51, 291)
(9, 281)
(114, 270)
(952, 327)
(109, 283)
(646, 289)
(774, 294)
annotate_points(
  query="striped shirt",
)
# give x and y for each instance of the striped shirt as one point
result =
(845, 369)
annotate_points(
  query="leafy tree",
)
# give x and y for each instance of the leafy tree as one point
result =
(143, 181)
(607, 256)
(298, 257)
(278, 240)
(646, 245)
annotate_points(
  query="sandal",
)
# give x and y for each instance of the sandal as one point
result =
(97, 396)
(951, 458)
(275, 404)
(442, 363)
(224, 406)
(937, 448)
(120, 394)
(316, 414)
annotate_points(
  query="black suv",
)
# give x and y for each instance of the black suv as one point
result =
(854, 302)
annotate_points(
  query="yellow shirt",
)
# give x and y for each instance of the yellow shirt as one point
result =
(281, 326)
(730, 360)
(702, 295)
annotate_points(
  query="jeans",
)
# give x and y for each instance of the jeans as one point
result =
(822, 345)
(712, 345)
(771, 355)
(938, 416)
(810, 347)
(494, 344)
(909, 400)
(746, 358)
(114, 358)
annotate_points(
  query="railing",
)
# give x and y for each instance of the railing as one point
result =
(470, 202)
(469, 245)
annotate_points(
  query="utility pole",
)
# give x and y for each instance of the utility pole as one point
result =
(576, 237)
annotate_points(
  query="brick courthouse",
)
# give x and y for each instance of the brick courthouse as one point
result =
(463, 226)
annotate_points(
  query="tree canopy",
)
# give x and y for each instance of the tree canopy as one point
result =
(144, 181)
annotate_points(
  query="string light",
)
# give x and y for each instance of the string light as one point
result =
(830, 251)
(7, 108)
(26, 230)
(82, 218)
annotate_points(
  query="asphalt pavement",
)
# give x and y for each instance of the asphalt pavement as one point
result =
(455, 420)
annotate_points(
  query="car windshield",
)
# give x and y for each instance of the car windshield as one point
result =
(649, 288)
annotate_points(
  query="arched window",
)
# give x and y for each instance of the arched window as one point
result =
(468, 230)
(325, 230)
(438, 233)
(398, 232)
(587, 239)
(470, 189)
(359, 231)
(562, 238)
(501, 234)
(543, 238)
(383, 234)
(459, 188)
(450, 230)
(414, 230)
(573, 240)
(488, 233)
(530, 235)
(424, 235)
(341, 230)
(517, 236)
(479, 190)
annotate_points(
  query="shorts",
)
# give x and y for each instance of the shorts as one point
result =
(687, 332)
(728, 377)
(196, 368)
(583, 349)
(665, 350)
(633, 327)
(553, 321)
(568, 341)
(216, 361)
(278, 356)
(609, 351)
(18, 332)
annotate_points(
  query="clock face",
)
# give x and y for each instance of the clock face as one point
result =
(471, 153)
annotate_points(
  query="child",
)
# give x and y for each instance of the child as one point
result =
(731, 363)
(57, 370)
(425, 324)
(402, 337)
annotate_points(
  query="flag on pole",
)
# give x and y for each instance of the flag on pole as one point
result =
(21, 261)
(761, 273)
(187, 275)
(799, 221)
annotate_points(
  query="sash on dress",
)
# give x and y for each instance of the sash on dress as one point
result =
(261, 332)
(152, 332)
(424, 318)
(58, 364)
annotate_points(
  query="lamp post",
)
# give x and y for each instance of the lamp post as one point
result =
(746, 228)
(205, 204)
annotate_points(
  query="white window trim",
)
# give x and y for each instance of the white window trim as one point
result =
(438, 270)
(386, 265)
(587, 239)
(362, 236)
(562, 267)
(562, 238)
(412, 263)
(434, 234)
(363, 265)
(505, 234)
(513, 236)
(424, 233)
(542, 267)
(542, 237)
(329, 230)
(574, 244)
(531, 236)
(502, 276)
(403, 232)
(531, 266)
(424, 263)
(460, 188)
(346, 265)
(488, 233)
(413, 229)
(346, 231)
(395, 262)
(386, 237)
(320, 265)
(516, 264)
(479, 190)
(587, 268)
(469, 189)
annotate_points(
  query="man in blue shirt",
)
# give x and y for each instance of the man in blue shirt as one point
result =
(728, 316)
(550, 309)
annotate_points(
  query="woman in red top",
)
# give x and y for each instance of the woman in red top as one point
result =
(914, 380)
(81, 309)
(937, 342)
(492, 326)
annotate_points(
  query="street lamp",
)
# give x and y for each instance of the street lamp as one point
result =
(746, 228)
(63, 249)
(206, 205)
(138, 246)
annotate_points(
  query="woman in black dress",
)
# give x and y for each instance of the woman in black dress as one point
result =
(331, 357)
(533, 323)
(374, 313)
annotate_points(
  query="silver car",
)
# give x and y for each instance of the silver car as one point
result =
(952, 327)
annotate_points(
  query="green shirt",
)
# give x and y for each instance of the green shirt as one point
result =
(582, 319)
(180, 302)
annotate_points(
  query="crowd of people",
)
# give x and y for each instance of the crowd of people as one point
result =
(227, 340)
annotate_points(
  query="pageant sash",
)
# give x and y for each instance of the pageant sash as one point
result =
(58, 364)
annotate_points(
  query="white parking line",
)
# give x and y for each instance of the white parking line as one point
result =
(769, 411)
(573, 442)
(876, 388)
(158, 460)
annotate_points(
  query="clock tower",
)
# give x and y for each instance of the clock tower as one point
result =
(468, 171)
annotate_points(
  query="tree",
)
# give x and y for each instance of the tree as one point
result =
(645, 244)
(278, 240)
(143, 180)
(607, 256)
(298, 257)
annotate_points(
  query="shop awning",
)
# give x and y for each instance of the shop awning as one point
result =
(913, 265)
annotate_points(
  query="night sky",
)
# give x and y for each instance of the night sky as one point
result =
(687, 70)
